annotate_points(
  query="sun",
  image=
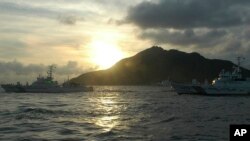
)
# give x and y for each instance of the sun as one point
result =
(105, 53)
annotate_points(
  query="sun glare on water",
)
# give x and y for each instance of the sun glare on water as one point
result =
(105, 54)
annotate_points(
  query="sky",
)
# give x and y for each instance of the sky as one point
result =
(79, 36)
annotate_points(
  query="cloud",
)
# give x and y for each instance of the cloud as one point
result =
(14, 71)
(187, 37)
(11, 8)
(64, 16)
(67, 20)
(70, 68)
(190, 14)
(12, 48)
(216, 29)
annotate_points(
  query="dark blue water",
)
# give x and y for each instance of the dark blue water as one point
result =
(120, 113)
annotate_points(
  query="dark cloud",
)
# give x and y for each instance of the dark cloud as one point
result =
(11, 8)
(183, 14)
(214, 28)
(72, 67)
(69, 19)
(16, 71)
(232, 45)
(247, 34)
(20, 69)
(64, 16)
(185, 37)
(10, 48)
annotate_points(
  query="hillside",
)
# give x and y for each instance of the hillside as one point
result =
(156, 64)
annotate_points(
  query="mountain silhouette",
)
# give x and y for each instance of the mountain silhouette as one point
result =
(156, 64)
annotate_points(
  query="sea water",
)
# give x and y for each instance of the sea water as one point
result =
(120, 113)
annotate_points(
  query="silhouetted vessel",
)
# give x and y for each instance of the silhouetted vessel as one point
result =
(228, 83)
(46, 85)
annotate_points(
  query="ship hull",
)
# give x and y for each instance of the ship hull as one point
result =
(9, 88)
(58, 90)
(184, 89)
(208, 90)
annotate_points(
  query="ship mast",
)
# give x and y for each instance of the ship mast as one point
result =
(237, 68)
(240, 60)
(50, 72)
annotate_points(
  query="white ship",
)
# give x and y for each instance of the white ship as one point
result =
(228, 83)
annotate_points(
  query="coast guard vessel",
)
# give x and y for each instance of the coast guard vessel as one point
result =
(228, 83)
(46, 85)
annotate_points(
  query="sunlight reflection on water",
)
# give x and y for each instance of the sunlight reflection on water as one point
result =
(107, 122)
(109, 108)
(119, 113)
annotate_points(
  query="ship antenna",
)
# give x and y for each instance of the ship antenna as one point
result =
(50, 71)
(240, 60)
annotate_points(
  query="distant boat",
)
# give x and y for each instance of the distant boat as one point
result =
(228, 83)
(46, 85)
(166, 83)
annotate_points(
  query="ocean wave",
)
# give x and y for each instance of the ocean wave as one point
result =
(214, 118)
(108, 90)
(40, 113)
(31, 139)
(66, 131)
(8, 129)
(37, 110)
(167, 120)
(43, 139)
(106, 134)
(57, 105)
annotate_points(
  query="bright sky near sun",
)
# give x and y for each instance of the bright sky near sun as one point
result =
(105, 49)
(84, 31)
(87, 35)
